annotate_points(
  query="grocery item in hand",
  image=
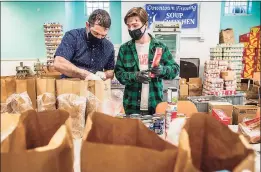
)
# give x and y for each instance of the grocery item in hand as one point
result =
(156, 60)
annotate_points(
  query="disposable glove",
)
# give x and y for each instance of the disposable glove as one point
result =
(143, 77)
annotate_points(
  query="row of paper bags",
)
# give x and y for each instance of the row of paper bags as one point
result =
(42, 142)
(77, 97)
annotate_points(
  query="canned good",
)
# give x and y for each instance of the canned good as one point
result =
(146, 117)
(135, 116)
(172, 95)
(148, 124)
(159, 125)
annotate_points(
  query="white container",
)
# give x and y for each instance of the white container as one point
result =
(172, 95)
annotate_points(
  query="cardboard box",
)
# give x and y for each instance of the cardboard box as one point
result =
(195, 86)
(183, 90)
(243, 113)
(182, 81)
(221, 116)
(244, 37)
(225, 106)
(228, 75)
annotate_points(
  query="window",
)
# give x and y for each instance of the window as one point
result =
(92, 5)
(239, 7)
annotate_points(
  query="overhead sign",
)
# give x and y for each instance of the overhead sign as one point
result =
(186, 14)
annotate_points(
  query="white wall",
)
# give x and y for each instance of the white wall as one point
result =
(8, 67)
(190, 47)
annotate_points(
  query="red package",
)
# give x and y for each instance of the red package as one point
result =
(156, 60)
(251, 130)
(221, 116)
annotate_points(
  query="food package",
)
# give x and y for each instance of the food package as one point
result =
(251, 130)
(223, 63)
(72, 97)
(207, 75)
(112, 106)
(46, 99)
(227, 36)
(213, 85)
(215, 80)
(34, 141)
(211, 62)
(18, 103)
(221, 116)
(156, 60)
(3, 108)
(76, 106)
(212, 71)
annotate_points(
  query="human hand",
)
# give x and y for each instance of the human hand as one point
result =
(143, 77)
(157, 71)
(102, 75)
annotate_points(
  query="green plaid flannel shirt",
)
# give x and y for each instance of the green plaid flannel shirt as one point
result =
(127, 66)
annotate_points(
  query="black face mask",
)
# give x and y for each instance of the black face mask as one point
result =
(136, 34)
(93, 39)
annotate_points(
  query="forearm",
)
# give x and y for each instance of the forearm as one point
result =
(125, 78)
(109, 74)
(67, 68)
(171, 71)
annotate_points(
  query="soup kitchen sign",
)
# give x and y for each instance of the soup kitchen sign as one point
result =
(186, 14)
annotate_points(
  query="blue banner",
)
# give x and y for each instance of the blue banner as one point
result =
(186, 14)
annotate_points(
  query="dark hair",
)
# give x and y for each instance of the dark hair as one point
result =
(139, 12)
(100, 17)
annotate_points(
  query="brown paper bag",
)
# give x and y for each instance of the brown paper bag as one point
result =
(227, 36)
(8, 87)
(101, 89)
(212, 146)
(113, 144)
(46, 99)
(99, 92)
(27, 85)
(72, 96)
(40, 142)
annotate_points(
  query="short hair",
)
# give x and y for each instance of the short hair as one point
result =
(100, 17)
(139, 12)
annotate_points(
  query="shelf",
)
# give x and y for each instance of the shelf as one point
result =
(52, 25)
(53, 34)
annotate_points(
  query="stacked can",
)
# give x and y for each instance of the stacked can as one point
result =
(154, 122)
(171, 111)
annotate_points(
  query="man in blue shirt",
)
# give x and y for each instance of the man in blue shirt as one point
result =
(85, 52)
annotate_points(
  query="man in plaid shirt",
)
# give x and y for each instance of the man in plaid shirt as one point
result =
(142, 93)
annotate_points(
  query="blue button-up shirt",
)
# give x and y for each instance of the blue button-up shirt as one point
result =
(76, 48)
